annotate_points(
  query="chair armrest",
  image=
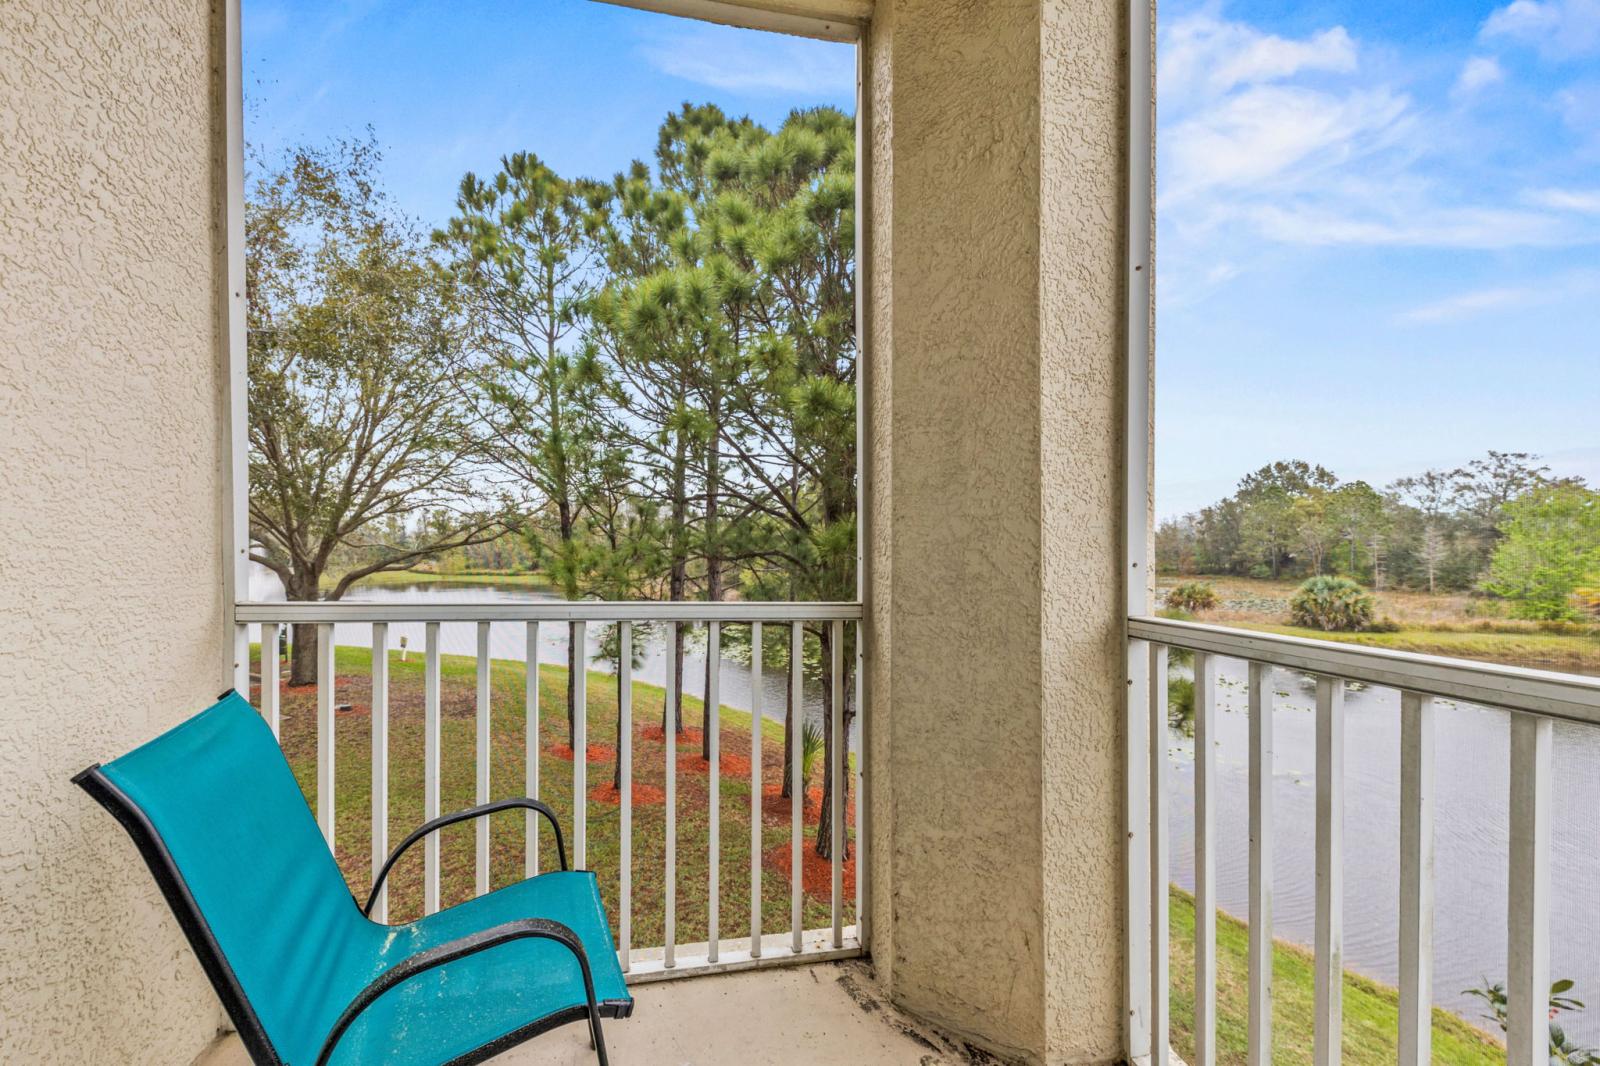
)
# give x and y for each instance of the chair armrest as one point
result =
(423, 961)
(467, 815)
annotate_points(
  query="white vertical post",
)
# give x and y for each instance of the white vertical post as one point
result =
(430, 766)
(481, 796)
(241, 661)
(755, 789)
(236, 475)
(836, 772)
(1159, 901)
(325, 731)
(1205, 861)
(1416, 879)
(530, 704)
(1528, 913)
(1329, 962)
(669, 743)
(380, 762)
(625, 766)
(861, 795)
(580, 749)
(1139, 744)
(269, 677)
(1260, 949)
(797, 637)
(714, 784)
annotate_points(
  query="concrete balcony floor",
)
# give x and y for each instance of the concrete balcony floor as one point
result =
(815, 1015)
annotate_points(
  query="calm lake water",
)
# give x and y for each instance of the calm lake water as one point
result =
(1472, 746)
(508, 640)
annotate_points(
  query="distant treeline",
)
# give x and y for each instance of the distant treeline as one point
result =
(1500, 524)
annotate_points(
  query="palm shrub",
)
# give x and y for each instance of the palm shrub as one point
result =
(1192, 596)
(811, 742)
(1331, 604)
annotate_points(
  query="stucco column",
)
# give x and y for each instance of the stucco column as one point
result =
(994, 492)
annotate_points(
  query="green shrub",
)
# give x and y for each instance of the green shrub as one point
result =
(1192, 597)
(1180, 704)
(1331, 604)
(811, 744)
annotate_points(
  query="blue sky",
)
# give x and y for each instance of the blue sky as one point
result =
(1378, 226)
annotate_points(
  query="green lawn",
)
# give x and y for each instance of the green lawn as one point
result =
(1551, 651)
(353, 779)
(1371, 1009)
(429, 577)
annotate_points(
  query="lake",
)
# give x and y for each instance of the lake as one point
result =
(1472, 747)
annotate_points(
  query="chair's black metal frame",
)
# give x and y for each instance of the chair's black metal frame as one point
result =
(251, 1032)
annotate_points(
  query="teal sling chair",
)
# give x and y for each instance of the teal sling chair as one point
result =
(306, 977)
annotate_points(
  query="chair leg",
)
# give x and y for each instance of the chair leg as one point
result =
(596, 1041)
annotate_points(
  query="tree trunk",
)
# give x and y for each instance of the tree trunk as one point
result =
(788, 740)
(303, 654)
(616, 774)
(824, 846)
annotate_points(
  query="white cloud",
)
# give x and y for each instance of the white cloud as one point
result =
(1501, 298)
(1584, 201)
(1262, 135)
(749, 61)
(1477, 73)
(1205, 52)
(1559, 29)
(1470, 304)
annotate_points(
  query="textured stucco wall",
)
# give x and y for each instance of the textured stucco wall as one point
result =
(996, 376)
(110, 598)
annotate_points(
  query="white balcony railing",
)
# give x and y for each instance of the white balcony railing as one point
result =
(745, 949)
(1535, 700)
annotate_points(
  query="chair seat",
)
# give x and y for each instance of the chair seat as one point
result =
(444, 1014)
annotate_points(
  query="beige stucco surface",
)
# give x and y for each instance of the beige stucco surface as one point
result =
(996, 376)
(110, 601)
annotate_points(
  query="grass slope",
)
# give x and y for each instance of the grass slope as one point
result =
(1371, 1009)
(508, 739)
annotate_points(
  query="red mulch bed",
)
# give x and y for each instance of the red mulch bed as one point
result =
(596, 752)
(643, 795)
(691, 762)
(817, 872)
(690, 737)
(775, 805)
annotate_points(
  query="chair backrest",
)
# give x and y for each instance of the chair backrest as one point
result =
(214, 807)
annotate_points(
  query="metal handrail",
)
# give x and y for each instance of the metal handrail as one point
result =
(546, 611)
(1571, 697)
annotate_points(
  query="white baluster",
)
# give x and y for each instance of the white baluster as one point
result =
(325, 731)
(270, 701)
(530, 704)
(714, 784)
(1205, 861)
(580, 750)
(797, 636)
(1329, 962)
(481, 825)
(755, 789)
(1528, 912)
(1160, 876)
(625, 764)
(1416, 879)
(380, 762)
(669, 742)
(430, 766)
(1260, 950)
(836, 770)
